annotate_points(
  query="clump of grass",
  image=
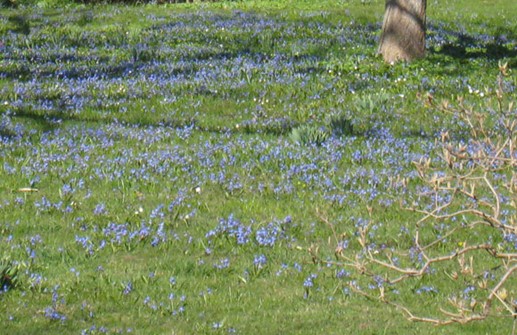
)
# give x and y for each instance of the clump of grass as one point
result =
(372, 103)
(8, 276)
(313, 134)
(309, 135)
(341, 126)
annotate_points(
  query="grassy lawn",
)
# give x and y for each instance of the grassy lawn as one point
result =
(166, 169)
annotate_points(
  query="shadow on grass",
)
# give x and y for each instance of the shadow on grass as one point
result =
(462, 46)
(52, 121)
(139, 57)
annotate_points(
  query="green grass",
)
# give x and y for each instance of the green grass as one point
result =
(168, 122)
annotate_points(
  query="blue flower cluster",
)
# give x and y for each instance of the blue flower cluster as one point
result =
(231, 228)
(259, 261)
(128, 139)
(267, 235)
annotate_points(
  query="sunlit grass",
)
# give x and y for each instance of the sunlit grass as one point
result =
(152, 184)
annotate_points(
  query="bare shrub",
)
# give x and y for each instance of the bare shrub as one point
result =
(462, 252)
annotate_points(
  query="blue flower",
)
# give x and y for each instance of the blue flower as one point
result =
(309, 281)
(426, 289)
(128, 288)
(259, 261)
(100, 209)
(52, 314)
(222, 264)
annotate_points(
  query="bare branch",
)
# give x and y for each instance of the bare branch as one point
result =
(473, 191)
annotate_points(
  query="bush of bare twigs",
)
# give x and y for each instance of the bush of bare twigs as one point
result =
(466, 237)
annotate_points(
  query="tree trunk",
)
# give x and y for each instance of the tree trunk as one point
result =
(403, 30)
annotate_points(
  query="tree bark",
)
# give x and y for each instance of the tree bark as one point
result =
(403, 30)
